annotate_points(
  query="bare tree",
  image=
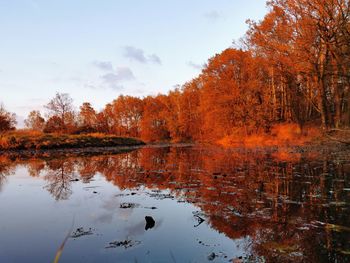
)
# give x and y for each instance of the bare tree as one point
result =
(61, 106)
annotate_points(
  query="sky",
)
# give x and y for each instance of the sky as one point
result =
(96, 50)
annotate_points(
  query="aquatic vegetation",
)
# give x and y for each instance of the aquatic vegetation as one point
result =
(79, 232)
(125, 244)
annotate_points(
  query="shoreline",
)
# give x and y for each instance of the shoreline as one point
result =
(322, 147)
(16, 142)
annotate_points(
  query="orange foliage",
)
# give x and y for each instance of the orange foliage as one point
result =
(286, 156)
(293, 72)
(7, 120)
(281, 134)
(153, 123)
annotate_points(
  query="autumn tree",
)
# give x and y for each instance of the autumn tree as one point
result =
(104, 120)
(190, 118)
(7, 120)
(293, 67)
(171, 117)
(271, 42)
(87, 118)
(171, 113)
(53, 124)
(61, 106)
(153, 123)
(71, 122)
(125, 115)
(307, 45)
(34, 121)
(233, 99)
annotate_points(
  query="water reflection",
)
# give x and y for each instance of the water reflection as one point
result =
(59, 174)
(287, 207)
(6, 168)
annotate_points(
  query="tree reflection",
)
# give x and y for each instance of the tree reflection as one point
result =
(6, 169)
(289, 207)
(35, 167)
(272, 198)
(59, 176)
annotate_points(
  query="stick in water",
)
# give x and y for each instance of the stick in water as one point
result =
(60, 250)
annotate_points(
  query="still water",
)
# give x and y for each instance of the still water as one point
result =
(177, 204)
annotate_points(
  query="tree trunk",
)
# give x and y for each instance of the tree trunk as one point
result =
(322, 86)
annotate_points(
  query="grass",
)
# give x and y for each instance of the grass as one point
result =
(30, 140)
(280, 135)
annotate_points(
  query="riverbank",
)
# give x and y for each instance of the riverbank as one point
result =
(289, 135)
(281, 153)
(29, 142)
(15, 141)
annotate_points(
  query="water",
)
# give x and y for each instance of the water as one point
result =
(202, 204)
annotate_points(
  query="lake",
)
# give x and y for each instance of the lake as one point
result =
(184, 203)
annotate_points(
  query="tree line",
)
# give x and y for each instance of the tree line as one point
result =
(293, 66)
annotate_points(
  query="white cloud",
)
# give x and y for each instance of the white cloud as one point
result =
(213, 15)
(138, 54)
(103, 65)
(113, 80)
(155, 59)
(135, 54)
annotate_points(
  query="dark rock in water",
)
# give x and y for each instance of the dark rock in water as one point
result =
(149, 222)
(212, 256)
(199, 219)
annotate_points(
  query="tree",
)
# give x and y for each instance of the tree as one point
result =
(61, 106)
(153, 124)
(233, 98)
(102, 122)
(53, 124)
(87, 118)
(171, 114)
(71, 122)
(7, 120)
(105, 119)
(307, 45)
(125, 115)
(190, 118)
(35, 121)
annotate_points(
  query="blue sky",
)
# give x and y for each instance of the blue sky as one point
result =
(97, 50)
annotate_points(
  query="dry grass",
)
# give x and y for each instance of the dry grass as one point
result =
(281, 135)
(23, 140)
